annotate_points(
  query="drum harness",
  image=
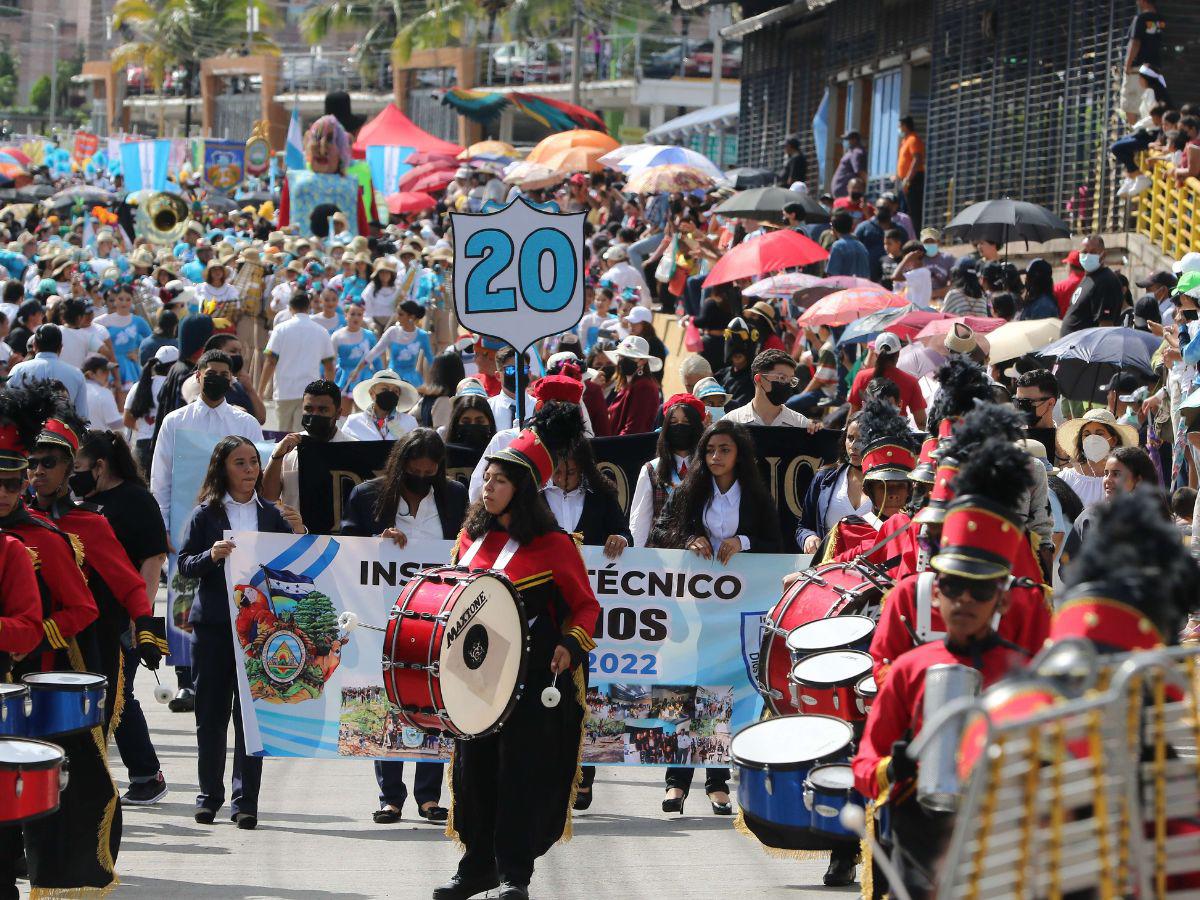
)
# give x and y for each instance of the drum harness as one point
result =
(506, 554)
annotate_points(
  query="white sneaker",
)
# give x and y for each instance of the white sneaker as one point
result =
(1141, 184)
(1126, 184)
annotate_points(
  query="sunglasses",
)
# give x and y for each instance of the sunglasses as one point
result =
(44, 462)
(977, 590)
(12, 485)
(1030, 403)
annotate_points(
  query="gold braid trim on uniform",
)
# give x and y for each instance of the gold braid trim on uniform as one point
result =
(581, 698)
(53, 635)
(585, 640)
(79, 893)
(829, 551)
(77, 546)
(33, 557)
(534, 580)
(119, 702)
(454, 549)
(452, 832)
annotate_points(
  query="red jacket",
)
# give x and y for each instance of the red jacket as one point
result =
(20, 601)
(1026, 624)
(597, 408)
(635, 407)
(898, 706)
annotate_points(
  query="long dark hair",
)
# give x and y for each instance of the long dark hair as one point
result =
(216, 483)
(590, 475)
(420, 443)
(461, 405)
(445, 372)
(664, 465)
(530, 516)
(686, 509)
(143, 397)
(884, 363)
(110, 446)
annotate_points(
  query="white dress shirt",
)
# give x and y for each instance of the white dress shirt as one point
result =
(242, 516)
(425, 525)
(641, 511)
(363, 426)
(567, 506)
(219, 421)
(722, 514)
(747, 415)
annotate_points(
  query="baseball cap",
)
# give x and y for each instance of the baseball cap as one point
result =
(708, 387)
(1190, 262)
(1158, 279)
(886, 343)
(639, 314)
(1072, 260)
(930, 234)
(167, 353)
(1124, 383)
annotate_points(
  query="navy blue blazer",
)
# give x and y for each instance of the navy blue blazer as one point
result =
(358, 517)
(208, 525)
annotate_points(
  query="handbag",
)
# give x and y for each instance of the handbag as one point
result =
(665, 270)
(693, 341)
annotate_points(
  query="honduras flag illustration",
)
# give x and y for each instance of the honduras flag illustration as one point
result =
(294, 156)
(388, 162)
(144, 164)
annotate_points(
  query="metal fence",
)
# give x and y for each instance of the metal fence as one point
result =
(236, 114)
(320, 71)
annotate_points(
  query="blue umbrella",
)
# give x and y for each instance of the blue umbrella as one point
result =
(862, 330)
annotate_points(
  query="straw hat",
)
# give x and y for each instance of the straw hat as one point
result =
(363, 257)
(408, 393)
(384, 264)
(251, 255)
(1068, 432)
(296, 266)
(359, 244)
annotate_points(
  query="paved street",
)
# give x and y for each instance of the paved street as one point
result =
(316, 840)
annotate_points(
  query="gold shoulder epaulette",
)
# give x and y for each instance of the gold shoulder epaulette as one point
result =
(33, 557)
(77, 546)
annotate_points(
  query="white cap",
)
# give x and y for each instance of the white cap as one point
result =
(1189, 263)
(167, 353)
(563, 356)
(639, 314)
(616, 251)
(886, 343)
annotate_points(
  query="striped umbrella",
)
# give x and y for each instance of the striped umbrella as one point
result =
(843, 307)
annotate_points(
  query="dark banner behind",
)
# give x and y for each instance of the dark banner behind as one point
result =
(787, 457)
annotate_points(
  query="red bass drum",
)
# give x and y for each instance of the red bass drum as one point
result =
(834, 589)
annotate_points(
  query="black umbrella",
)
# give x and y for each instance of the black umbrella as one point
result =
(766, 205)
(1001, 221)
(745, 178)
(1088, 359)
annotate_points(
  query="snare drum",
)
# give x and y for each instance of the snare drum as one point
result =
(32, 774)
(773, 759)
(827, 789)
(824, 683)
(837, 633)
(65, 702)
(832, 590)
(454, 651)
(15, 706)
(865, 691)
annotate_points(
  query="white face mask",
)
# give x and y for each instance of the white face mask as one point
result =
(1095, 447)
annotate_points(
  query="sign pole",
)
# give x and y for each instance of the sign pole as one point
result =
(519, 390)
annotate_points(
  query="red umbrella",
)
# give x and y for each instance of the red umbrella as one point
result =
(428, 177)
(933, 335)
(851, 281)
(424, 157)
(409, 202)
(909, 325)
(774, 252)
(844, 307)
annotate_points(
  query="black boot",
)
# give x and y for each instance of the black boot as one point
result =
(842, 863)
(512, 891)
(461, 887)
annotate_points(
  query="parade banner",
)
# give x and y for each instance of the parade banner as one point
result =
(787, 458)
(224, 164)
(144, 165)
(388, 162)
(85, 147)
(670, 680)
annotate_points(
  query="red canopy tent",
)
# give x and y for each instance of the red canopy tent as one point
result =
(395, 128)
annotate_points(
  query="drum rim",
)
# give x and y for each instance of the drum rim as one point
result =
(870, 675)
(845, 792)
(848, 617)
(80, 687)
(791, 766)
(35, 766)
(768, 640)
(852, 682)
(16, 688)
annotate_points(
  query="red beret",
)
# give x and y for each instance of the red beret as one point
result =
(558, 387)
(691, 401)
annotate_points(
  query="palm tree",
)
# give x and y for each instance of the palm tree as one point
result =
(167, 34)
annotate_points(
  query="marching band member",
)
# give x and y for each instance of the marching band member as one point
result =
(513, 790)
(888, 455)
(980, 537)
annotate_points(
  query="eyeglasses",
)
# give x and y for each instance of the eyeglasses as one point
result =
(44, 462)
(782, 379)
(981, 591)
(12, 485)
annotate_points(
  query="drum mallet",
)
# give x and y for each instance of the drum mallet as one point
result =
(854, 818)
(162, 693)
(348, 621)
(551, 696)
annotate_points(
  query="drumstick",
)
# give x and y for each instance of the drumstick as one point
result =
(912, 634)
(854, 818)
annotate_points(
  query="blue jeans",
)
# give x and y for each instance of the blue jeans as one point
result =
(639, 250)
(693, 294)
(1127, 148)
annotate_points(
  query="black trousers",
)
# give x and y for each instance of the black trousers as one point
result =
(919, 839)
(427, 782)
(914, 199)
(714, 779)
(214, 673)
(132, 734)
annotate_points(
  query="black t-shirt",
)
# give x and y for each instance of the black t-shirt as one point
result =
(1098, 299)
(135, 518)
(1148, 28)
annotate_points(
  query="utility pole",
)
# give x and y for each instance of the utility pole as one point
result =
(576, 51)
(53, 26)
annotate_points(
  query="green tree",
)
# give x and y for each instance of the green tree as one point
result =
(39, 94)
(8, 77)
(317, 617)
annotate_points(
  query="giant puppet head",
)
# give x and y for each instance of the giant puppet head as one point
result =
(327, 146)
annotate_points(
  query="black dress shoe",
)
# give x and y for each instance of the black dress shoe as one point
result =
(205, 816)
(511, 891)
(460, 887)
(841, 870)
(673, 804)
(583, 799)
(246, 821)
(435, 814)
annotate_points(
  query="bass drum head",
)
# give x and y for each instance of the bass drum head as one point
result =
(832, 668)
(482, 655)
(790, 742)
(829, 634)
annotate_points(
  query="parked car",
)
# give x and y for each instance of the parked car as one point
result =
(699, 64)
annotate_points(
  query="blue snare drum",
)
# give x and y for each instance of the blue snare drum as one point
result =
(14, 710)
(65, 702)
(774, 757)
(827, 789)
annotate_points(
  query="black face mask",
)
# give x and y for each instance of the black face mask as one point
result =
(778, 393)
(83, 483)
(473, 434)
(884, 216)
(609, 372)
(417, 484)
(628, 367)
(856, 196)
(320, 428)
(214, 386)
(510, 383)
(386, 401)
(681, 436)
(235, 363)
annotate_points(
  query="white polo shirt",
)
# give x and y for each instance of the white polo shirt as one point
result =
(300, 345)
